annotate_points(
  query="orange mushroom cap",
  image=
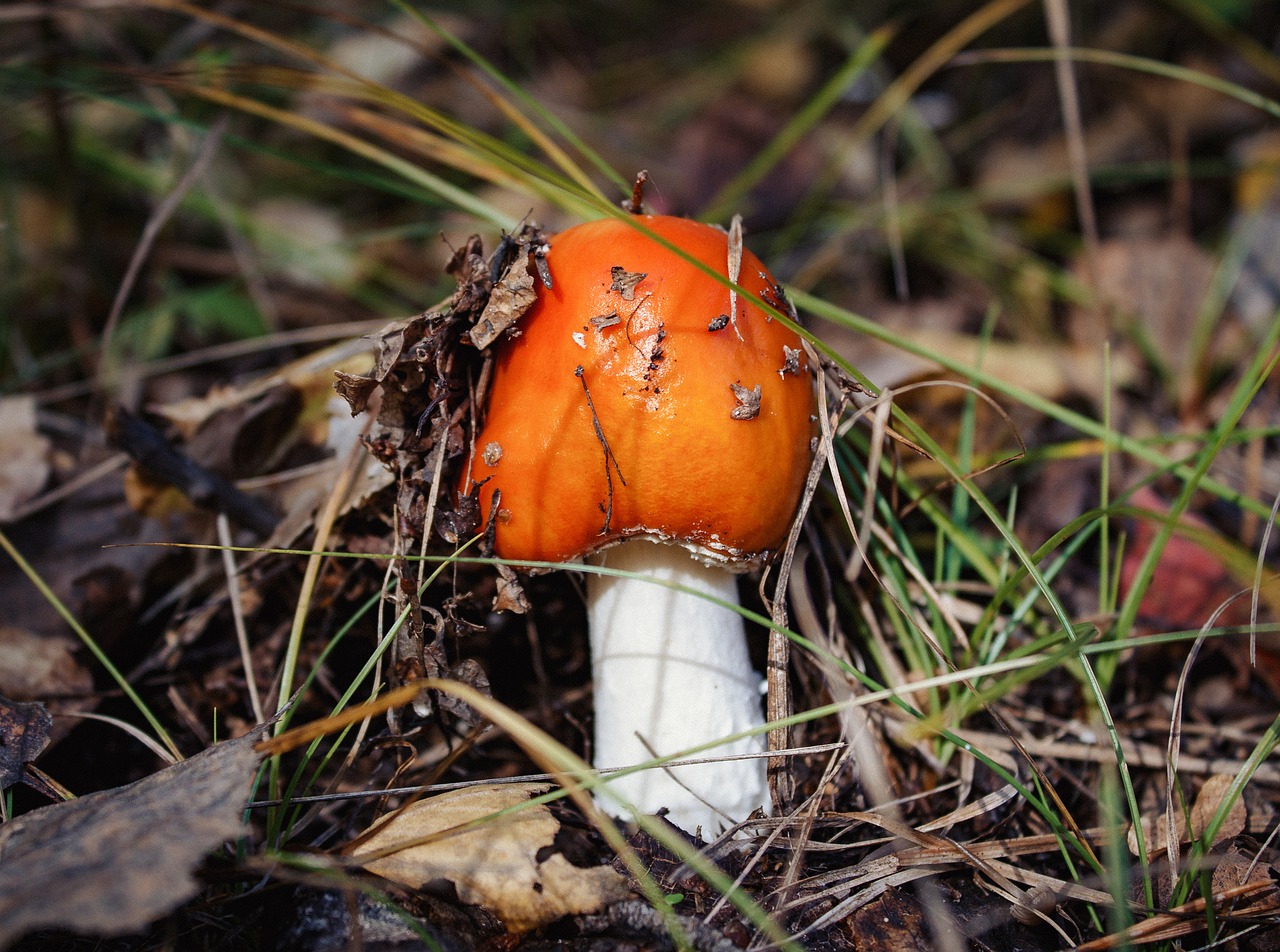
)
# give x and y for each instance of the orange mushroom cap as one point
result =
(619, 412)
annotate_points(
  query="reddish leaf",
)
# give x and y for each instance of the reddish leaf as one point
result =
(1190, 580)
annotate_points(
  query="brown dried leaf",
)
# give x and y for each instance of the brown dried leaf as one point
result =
(245, 439)
(511, 297)
(1155, 833)
(1155, 286)
(24, 733)
(501, 864)
(36, 666)
(893, 921)
(24, 455)
(624, 281)
(748, 407)
(468, 671)
(511, 596)
(1237, 868)
(356, 389)
(1206, 805)
(109, 863)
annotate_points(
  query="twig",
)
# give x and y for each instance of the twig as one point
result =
(157, 221)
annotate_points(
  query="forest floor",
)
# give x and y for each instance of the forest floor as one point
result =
(1025, 657)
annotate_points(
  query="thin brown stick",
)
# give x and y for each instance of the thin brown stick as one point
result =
(609, 458)
(1064, 71)
(157, 221)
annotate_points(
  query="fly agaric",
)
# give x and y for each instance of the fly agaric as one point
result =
(647, 417)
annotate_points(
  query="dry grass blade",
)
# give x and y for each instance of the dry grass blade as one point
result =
(413, 173)
(430, 146)
(1136, 753)
(483, 151)
(1057, 15)
(1189, 918)
(930, 61)
(566, 164)
(1140, 64)
(553, 151)
(345, 481)
(296, 737)
(237, 617)
(157, 221)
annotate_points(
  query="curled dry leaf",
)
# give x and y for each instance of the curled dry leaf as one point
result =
(748, 407)
(625, 282)
(1155, 832)
(111, 862)
(511, 596)
(506, 864)
(468, 671)
(1207, 803)
(510, 298)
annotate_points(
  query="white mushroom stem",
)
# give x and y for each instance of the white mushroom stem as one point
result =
(671, 672)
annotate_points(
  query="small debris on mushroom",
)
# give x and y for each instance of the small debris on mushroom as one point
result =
(748, 407)
(540, 263)
(790, 361)
(624, 281)
(580, 339)
(491, 453)
(776, 297)
(719, 324)
(601, 321)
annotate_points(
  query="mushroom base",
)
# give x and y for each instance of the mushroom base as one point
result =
(672, 672)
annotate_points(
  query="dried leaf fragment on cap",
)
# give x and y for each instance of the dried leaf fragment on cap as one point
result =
(748, 407)
(505, 864)
(790, 361)
(624, 281)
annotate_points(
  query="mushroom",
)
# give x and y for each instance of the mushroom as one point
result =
(645, 417)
